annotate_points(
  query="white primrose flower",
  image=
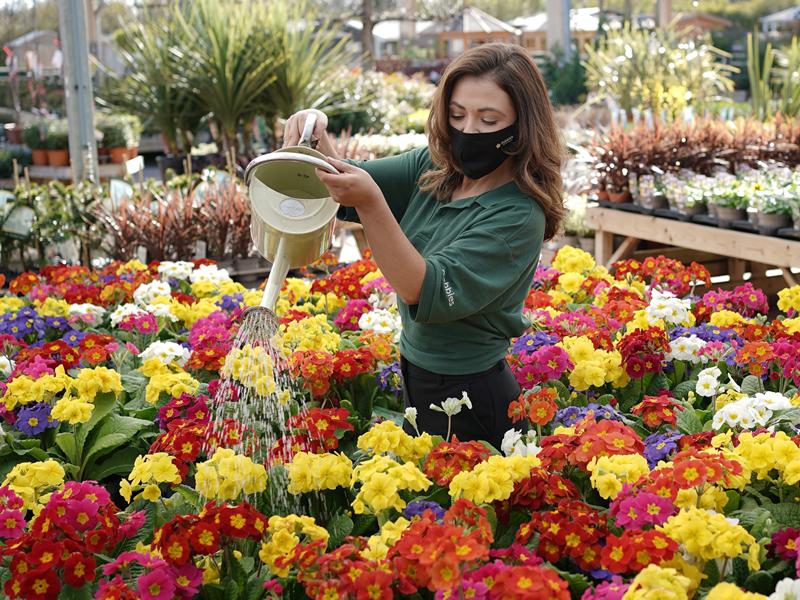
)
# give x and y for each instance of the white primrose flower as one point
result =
(210, 273)
(161, 310)
(180, 269)
(380, 321)
(147, 292)
(708, 382)
(773, 401)
(452, 406)
(166, 352)
(96, 312)
(667, 307)
(687, 348)
(122, 311)
(516, 444)
(787, 589)
(6, 366)
(410, 415)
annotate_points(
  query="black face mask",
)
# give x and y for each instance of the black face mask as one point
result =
(478, 154)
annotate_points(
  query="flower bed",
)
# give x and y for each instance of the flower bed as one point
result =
(660, 454)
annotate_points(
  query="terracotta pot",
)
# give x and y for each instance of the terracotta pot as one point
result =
(118, 155)
(602, 195)
(58, 158)
(39, 157)
(729, 213)
(619, 197)
(697, 209)
(774, 220)
(13, 133)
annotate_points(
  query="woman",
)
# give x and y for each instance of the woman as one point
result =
(457, 227)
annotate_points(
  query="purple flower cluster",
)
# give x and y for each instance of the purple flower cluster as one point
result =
(33, 419)
(24, 324)
(417, 508)
(706, 332)
(230, 302)
(531, 342)
(390, 379)
(572, 414)
(659, 446)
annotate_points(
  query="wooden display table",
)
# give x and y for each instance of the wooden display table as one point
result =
(738, 251)
(105, 171)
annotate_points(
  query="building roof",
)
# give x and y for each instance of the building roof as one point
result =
(580, 19)
(472, 20)
(787, 15)
(709, 21)
(40, 35)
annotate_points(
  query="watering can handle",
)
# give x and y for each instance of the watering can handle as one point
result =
(308, 129)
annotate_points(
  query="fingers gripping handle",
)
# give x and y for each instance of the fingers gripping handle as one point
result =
(308, 129)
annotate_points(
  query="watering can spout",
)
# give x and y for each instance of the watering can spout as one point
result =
(292, 214)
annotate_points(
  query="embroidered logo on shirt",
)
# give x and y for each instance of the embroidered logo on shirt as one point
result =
(448, 289)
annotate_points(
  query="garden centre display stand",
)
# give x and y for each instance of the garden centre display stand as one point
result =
(106, 171)
(722, 251)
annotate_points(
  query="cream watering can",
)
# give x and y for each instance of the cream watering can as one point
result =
(292, 214)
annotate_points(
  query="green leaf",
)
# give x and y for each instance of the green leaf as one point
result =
(506, 538)
(363, 524)
(103, 404)
(70, 593)
(115, 431)
(66, 441)
(688, 421)
(190, 495)
(389, 415)
(578, 583)
(339, 527)
(682, 390)
(751, 385)
(660, 381)
(119, 463)
(761, 582)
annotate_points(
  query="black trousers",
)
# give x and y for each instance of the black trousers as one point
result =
(490, 393)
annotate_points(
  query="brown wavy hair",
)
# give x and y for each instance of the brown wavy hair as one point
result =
(539, 151)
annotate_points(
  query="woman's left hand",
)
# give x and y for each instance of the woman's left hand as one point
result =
(351, 186)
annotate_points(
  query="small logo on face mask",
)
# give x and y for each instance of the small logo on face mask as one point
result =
(508, 140)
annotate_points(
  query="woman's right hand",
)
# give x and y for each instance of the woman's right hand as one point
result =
(293, 129)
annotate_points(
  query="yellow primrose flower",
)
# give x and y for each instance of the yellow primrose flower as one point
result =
(726, 318)
(573, 260)
(571, 282)
(72, 410)
(314, 472)
(52, 307)
(789, 299)
(730, 591)
(228, 475)
(387, 436)
(492, 479)
(131, 267)
(34, 481)
(655, 582)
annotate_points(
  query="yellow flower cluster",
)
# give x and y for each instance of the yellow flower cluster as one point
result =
(314, 333)
(10, 304)
(789, 299)
(52, 307)
(252, 366)
(148, 472)
(284, 534)
(726, 318)
(76, 405)
(573, 260)
(382, 481)
(378, 545)
(33, 481)
(227, 475)
(610, 472)
(493, 479)
(132, 266)
(191, 313)
(764, 452)
(641, 320)
(662, 583)
(709, 535)
(24, 389)
(387, 436)
(730, 591)
(314, 472)
(166, 378)
(593, 367)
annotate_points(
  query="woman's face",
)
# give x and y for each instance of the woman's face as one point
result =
(479, 105)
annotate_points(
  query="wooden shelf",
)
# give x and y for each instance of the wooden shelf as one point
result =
(106, 171)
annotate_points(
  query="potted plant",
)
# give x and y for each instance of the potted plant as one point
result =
(651, 192)
(58, 144)
(731, 203)
(114, 138)
(575, 227)
(775, 212)
(35, 137)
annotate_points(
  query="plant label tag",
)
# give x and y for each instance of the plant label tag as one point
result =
(199, 249)
(141, 254)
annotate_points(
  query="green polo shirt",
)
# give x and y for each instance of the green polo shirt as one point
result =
(480, 256)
